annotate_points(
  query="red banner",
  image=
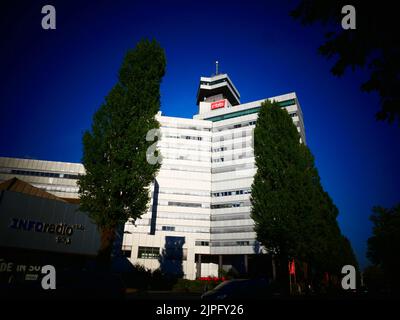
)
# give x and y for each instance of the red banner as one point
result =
(292, 268)
(218, 104)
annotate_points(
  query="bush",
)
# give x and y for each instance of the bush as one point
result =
(194, 286)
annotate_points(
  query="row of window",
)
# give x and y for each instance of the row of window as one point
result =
(178, 253)
(219, 149)
(234, 145)
(206, 159)
(188, 229)
(149, 252)
(58, 188)
(226, 217)
(184, 204)
(43, 174)
(241, 125)
(183, 216)
(230, 193)
(185, 127)
(183, 156)
(234, 167)
(235, 126)
(201, 194)
(177, 156)
(186, 168)
(228, 205)
(243, 155)
(199, 148)
(184, 192)
(172, 253)
(202, 243)
(232, 243)
(232, 136)
(236, 114)
(184, 137)
(183, 146)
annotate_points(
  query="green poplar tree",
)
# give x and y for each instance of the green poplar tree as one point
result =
(115, 187)
(275, 190)
(294, 217)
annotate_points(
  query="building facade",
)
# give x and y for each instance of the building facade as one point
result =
(198, 222)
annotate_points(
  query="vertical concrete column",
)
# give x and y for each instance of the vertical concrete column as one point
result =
(198, 269)
(246, 263)
(219, 265)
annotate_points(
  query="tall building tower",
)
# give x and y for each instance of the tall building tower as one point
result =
(203, 188)
(198, 222)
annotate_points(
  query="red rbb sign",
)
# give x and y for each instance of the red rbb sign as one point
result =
(218, 104)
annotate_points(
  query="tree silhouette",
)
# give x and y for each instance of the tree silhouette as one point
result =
(384, 244)
(373, 46)
(172, 256)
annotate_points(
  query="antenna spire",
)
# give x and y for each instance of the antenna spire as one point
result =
(216, 67)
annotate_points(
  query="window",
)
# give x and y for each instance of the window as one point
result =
(202, 243)
(229, 193)
(148, 252)
(219, 149)
(226, 205)
(184, 204)
(127, 253)
(168, 228)
(45, 174)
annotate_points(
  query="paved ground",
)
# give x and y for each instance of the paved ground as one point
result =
(162, 295)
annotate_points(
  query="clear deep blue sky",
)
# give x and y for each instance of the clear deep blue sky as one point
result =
(53, 81)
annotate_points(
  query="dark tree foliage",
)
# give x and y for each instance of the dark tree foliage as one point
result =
(294, 217)
(374, 45)
(374, 279)
(276, 183)
(116, 184)
(384, 245)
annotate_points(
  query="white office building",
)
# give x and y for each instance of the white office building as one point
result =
(198, 221)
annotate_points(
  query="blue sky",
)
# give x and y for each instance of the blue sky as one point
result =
(53, 81)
